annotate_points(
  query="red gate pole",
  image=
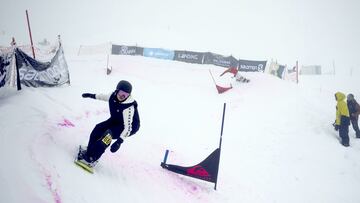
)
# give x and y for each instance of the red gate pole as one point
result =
(31, 41)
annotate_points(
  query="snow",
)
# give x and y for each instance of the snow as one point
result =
(278, 142)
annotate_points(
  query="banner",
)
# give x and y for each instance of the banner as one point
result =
(189, 56)
(206, 170)
(219, 60)
(251, 66)
(310, 70)
(277, 69)
(39, 74)
(126, 50)
(8, 71)
(281, 71)
(159, 53)
(93, 49)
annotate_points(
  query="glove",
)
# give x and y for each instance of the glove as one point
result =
(116, 145)
(336, 127)
(88, 95)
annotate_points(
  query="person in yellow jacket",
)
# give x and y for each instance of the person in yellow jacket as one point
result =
(342, 121)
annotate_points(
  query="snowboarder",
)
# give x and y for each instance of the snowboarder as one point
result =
(236, 74)
(354, 111)
(123, 122)
(342, 121)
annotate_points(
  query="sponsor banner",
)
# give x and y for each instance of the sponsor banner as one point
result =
(42, 74)
(159, 53)
(189, 56)
(277, 70)
(310, 70)
(251, 66)
(281, 71)
(126, 50)
(8, 71)
(93, 49)
(219, 60)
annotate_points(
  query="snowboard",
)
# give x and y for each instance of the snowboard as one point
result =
(82, 163)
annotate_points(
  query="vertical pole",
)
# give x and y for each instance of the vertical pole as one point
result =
(221, 133)
(212, 77)
(163, 164)
(31, 41)
(222, 125)
(297, 72)
(79, 50)
(107, 62)
(166, 156)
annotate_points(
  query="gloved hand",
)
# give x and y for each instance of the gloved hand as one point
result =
(336, 127)
(88, 95)
(116, 145)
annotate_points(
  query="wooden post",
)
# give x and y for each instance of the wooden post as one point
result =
(31, 41)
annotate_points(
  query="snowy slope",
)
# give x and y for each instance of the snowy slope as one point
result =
(278, 142)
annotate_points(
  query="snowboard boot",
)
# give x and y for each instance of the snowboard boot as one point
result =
(345, 144)
(84, 158)
(97, 148)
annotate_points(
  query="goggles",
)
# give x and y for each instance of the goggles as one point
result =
(122, 95)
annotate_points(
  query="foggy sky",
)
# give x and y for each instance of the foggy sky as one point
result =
(311, 31)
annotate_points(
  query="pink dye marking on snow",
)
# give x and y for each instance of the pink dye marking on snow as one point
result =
(54, 192)
(66, 123)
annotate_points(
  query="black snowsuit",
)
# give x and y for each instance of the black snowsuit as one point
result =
(354, 110)
(124, 121)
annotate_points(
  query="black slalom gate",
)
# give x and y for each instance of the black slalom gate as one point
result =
(206, 170)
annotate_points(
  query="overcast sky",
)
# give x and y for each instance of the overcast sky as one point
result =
(311, 31)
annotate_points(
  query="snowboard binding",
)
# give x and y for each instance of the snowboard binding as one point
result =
(88, 156)
(82, 162)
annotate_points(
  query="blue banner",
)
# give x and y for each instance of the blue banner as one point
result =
(159, 53)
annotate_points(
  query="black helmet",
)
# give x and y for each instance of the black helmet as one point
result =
(124, 86)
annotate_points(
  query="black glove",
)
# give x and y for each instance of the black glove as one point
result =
(336, 127)
(116, 145)
(88, 95)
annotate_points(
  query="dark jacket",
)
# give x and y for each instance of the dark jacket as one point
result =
(354, 109)
(124, 115)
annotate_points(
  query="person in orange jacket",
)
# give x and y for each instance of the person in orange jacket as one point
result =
(342, 121)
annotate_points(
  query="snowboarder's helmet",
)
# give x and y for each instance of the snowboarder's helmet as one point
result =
(350, 97)
(124, 86)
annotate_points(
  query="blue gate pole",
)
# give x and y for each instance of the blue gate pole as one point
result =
(165, 158)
